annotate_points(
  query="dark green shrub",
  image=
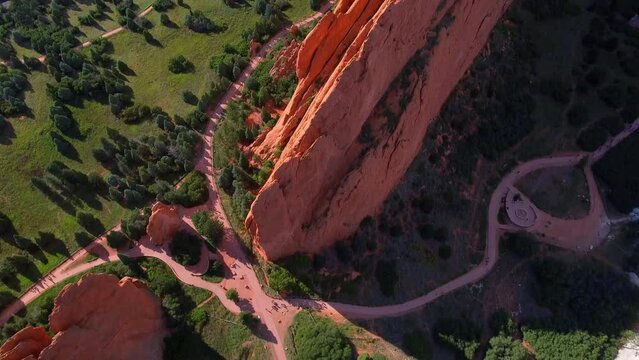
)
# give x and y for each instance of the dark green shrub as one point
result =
(211, 229)
(316, 337)
(117, 239)
(186, 248)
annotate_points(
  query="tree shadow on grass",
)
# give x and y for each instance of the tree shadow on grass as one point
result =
(234, 4)
(60, 201)
(7, 134)
(185, 343)
(183, 4)
(48, 242)
(154, 42)
(91, 224)
(31, 272)
(125, 69)
(11, 282)
(171, 24)
(6, 298)
(82, 238)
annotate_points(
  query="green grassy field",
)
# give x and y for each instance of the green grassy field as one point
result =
(153, 83)
(27, 152)
(26, 148)
(109, 22)
(224, 333)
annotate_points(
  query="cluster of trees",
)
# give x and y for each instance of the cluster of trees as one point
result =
(271, 20)
(145, 167)
(619, 169)
(211, 229)
(230, 64)
(95, 15)
(132, 228)
(606, 34)
(77, 78)
(192, 192)
(198, 22)
(553, 343)
(235, 177)
(458, 335)
(316, 337)
(283, 281)
(13, 82)
(586, 295)
(180, 64)
(163, 5)
(261, 87)
(186, 248)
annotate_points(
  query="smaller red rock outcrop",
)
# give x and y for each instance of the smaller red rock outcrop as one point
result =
(163, 224)
(285, 62)
(25, 344)
(103, 317)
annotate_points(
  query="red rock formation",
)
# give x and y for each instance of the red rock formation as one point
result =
(326, 180)
(25, 344)
(164, 222)
(285, 62)
(103, 317)
(99, 317)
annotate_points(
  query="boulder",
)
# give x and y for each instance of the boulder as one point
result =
(103, 317)
(164, 222)
(25, 344)
(329, 177)
(99, 317)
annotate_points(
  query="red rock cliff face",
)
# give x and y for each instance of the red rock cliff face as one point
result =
(327, 178)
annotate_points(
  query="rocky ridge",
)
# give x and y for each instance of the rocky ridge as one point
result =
(372, 76)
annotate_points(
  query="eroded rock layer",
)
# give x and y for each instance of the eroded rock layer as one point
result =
(350, 131)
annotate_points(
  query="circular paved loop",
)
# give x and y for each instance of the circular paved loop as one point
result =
(519, 210)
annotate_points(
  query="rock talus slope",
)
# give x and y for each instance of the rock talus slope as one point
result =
(328, 178)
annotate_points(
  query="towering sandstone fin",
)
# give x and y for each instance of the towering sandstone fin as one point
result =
(350, 132)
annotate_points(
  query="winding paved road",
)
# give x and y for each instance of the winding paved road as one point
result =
(277, 314)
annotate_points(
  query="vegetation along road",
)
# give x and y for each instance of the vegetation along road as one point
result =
(277, 314)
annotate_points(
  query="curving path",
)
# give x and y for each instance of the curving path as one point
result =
(277, 314)
(107, 34)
